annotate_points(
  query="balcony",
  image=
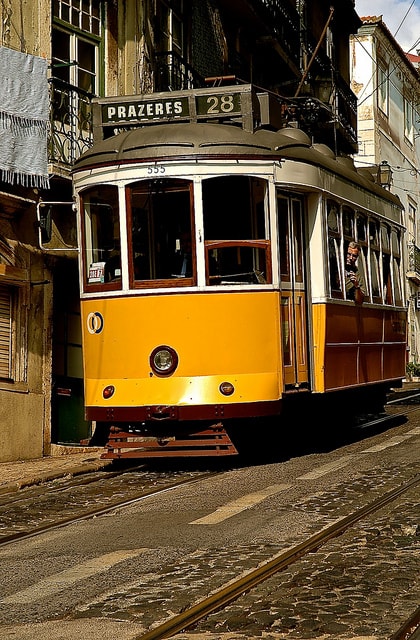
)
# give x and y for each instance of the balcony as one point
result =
(346, 109)
(173, 73)
(71, 131)
(285, 24)
(413, 272)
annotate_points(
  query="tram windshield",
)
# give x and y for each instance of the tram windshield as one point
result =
(101, 237)
(159, 234)
(235, 230)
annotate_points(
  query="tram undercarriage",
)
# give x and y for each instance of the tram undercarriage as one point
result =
(318, 414)
(212, 440)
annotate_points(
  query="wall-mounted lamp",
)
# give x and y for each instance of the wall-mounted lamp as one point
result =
(384, 175)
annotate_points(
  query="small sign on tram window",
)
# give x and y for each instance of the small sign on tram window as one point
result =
(96, 272)
(418, 300)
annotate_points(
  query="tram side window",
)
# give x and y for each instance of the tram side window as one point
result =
(283, 216)
(362, 262)
(386, 264)
(235, 230)
(334, 244)
(374, 260)
(160, 233)
(101, 235)
(348, 223)
(396, 265)
(361, 228)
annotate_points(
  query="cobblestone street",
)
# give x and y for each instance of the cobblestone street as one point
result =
(362, 584)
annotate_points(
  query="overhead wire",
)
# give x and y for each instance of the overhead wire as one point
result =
(406, 14)
(397, 66)
(396, 169)
(392, 70)
(417, 42)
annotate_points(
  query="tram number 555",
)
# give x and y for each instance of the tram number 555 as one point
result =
(155, 169)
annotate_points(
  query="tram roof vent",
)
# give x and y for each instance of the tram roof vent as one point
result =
(324, 149)
(347, 162)
(367, 173)
(296, 134)
(271, 116)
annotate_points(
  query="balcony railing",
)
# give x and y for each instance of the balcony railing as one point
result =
(285, 22)
(71, 131)
(173, 73)
(413, 263)
(346, 108)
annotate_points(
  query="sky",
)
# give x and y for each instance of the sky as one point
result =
(402, 17)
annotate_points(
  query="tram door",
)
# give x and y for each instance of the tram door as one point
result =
(293, 293)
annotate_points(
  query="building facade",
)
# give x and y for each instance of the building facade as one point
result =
(296, 50)
(387, 84)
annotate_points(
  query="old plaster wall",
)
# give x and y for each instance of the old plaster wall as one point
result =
(25, 395)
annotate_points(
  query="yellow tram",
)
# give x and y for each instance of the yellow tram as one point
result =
(213, 274)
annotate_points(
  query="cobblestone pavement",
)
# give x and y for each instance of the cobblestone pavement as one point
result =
(363, 584)
(360, 586)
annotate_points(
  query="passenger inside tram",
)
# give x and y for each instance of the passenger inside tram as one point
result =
(355, 286)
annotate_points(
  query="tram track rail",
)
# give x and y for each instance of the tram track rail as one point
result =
(410, 630)
(229, 593)
(402, 398)
(64, 483)
(99, 511)
(82, 512)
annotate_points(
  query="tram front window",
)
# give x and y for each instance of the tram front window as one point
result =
(237, 262)
(101, 234)
(160, 233)
(235, 229)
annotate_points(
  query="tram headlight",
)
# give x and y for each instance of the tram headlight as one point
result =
(163, 360)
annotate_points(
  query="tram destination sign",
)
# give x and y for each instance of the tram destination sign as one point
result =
(193, 105)
(144, 110)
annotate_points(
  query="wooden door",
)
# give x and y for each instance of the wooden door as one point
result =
(293, 317)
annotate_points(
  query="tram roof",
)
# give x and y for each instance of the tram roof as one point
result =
(218, 141)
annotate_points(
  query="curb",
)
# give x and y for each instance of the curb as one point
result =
(54, 475)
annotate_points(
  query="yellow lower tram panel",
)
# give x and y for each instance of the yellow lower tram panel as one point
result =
(227, 367)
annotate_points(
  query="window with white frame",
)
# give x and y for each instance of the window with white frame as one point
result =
(408, 119)
(412, 225)
(383, 88)
(76, 37)
(170, 45)
(75, 75)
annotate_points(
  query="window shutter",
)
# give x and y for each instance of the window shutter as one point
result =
(5, 332)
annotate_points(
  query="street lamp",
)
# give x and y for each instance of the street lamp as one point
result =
(384, 175)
